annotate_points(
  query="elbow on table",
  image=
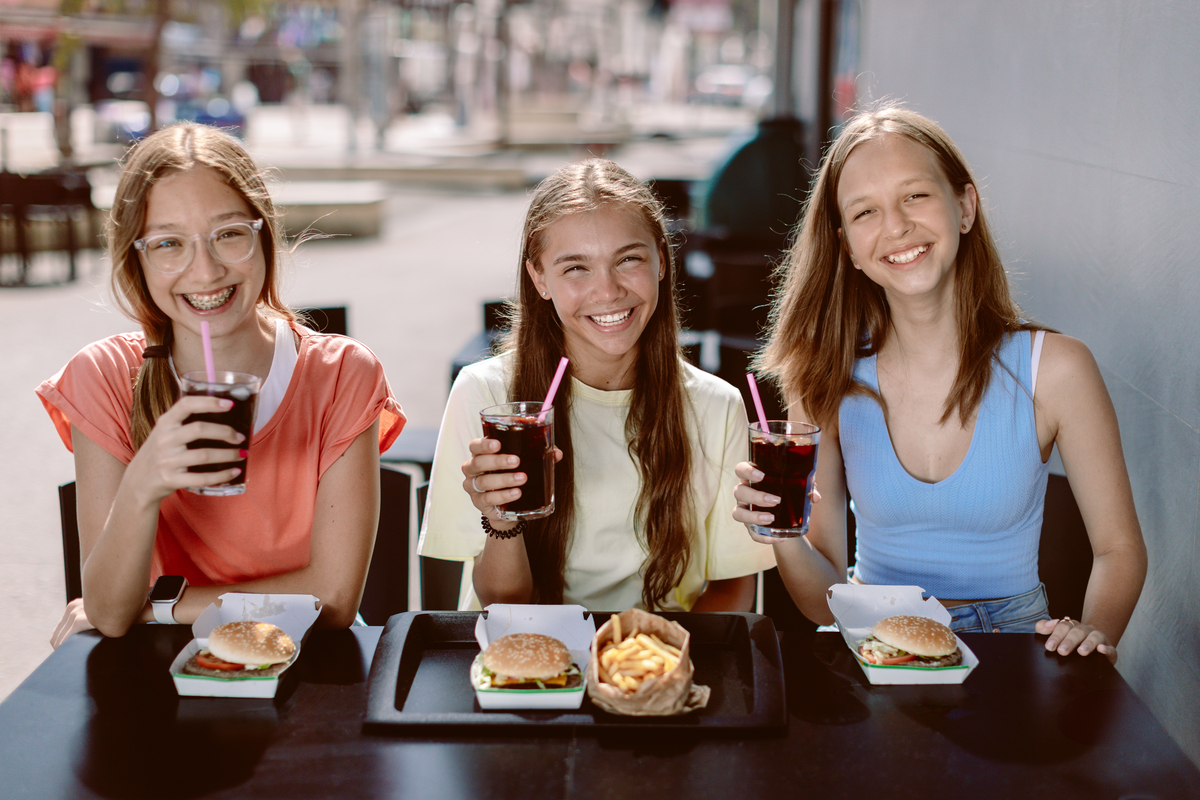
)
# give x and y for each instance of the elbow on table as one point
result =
(819, 616)
(506, 595)
(112, 626)
(337, 616)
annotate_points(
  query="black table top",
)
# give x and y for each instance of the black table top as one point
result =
(100, 718)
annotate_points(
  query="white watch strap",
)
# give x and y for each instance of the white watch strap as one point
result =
(164, 612)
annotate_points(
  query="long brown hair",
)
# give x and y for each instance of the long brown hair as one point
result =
(827, 314)
(178, 148)
(656, 428)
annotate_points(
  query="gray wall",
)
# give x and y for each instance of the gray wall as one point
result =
(1081, 119)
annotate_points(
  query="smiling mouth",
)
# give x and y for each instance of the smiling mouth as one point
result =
(207, 302)
(609, 320)
(908, 256)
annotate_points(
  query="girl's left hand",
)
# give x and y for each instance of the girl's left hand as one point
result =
(1070, 635)
(74, 620)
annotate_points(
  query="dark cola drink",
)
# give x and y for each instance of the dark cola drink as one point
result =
(787, 457)
(242, 389)
(523, 432)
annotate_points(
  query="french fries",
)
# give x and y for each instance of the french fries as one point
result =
(627, 661)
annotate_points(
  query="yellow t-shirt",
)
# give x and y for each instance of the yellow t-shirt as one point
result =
(603, 570)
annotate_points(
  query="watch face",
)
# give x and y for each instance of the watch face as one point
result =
(167, 588)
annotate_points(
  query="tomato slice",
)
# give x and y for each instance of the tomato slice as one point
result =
(209, 661)
(875, 658)
(897, 659)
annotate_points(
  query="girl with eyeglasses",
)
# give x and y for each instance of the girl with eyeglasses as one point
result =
(194, 237)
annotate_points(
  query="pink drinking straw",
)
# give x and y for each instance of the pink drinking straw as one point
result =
(208, 360)
(758, 406)
(558, 375)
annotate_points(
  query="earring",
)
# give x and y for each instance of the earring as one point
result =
(965, 227)
(543, 294)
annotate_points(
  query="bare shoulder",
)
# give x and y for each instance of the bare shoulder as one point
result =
(1064, 359)
(1068, 376)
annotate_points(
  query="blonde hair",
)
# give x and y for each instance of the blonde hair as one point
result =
(171, 150)
(656, 427)
(828, 314)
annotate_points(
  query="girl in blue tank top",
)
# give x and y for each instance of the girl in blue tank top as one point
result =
(938, 404)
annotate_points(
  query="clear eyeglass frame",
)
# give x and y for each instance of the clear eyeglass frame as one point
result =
(145, 245)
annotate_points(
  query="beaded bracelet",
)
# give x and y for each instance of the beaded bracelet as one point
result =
(495, 534)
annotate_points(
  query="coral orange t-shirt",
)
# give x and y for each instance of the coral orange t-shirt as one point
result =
(337, 391)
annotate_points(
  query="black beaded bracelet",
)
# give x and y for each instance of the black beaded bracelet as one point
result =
(495, 534)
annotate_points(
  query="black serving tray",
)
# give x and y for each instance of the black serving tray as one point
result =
(419, 677)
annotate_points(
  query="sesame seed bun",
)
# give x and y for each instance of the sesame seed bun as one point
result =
(251, 643)
(920, 636)
(531, 656)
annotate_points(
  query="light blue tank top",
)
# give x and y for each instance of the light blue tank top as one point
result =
(973, 535)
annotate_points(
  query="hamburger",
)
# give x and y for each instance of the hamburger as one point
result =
(525, 661)
(243, 650)
(911, 642)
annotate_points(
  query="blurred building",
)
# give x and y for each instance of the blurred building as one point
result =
(143, 62)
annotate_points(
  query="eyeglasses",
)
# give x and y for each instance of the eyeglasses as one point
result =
(173, 252)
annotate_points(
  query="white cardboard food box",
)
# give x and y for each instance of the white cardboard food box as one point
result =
(569, 624)
(295, 613)
(857, 608)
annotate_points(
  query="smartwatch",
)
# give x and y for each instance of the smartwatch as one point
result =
(163, 597)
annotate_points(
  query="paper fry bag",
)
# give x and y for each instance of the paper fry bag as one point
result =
(672, 693)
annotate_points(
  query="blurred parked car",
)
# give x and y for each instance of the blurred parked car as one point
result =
(121, 121)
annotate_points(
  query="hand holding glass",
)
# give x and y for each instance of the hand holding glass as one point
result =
(525, 431)
(786, 454)
(242, 389)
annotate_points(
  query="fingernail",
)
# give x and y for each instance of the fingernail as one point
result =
(226, 403)
(773, 499)
(236, 471)
(241, 437)
(243, 453)
(766, 519)
(512, 461)
(757, 476)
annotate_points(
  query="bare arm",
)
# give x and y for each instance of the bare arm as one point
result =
(118, 506)
(729, 594)
(808, 564)
(343, 535)
(345, 520)
(1076, 412)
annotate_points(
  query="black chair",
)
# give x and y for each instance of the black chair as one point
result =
(1064, 552)
(72, 569)
(440, 579)
(387, 589)
(330, 319)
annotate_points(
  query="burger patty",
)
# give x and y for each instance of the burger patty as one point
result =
(192, 668)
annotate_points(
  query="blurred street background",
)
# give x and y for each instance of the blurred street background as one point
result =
(412, 131)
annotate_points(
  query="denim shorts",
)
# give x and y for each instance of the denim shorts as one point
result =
(1006, 615)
